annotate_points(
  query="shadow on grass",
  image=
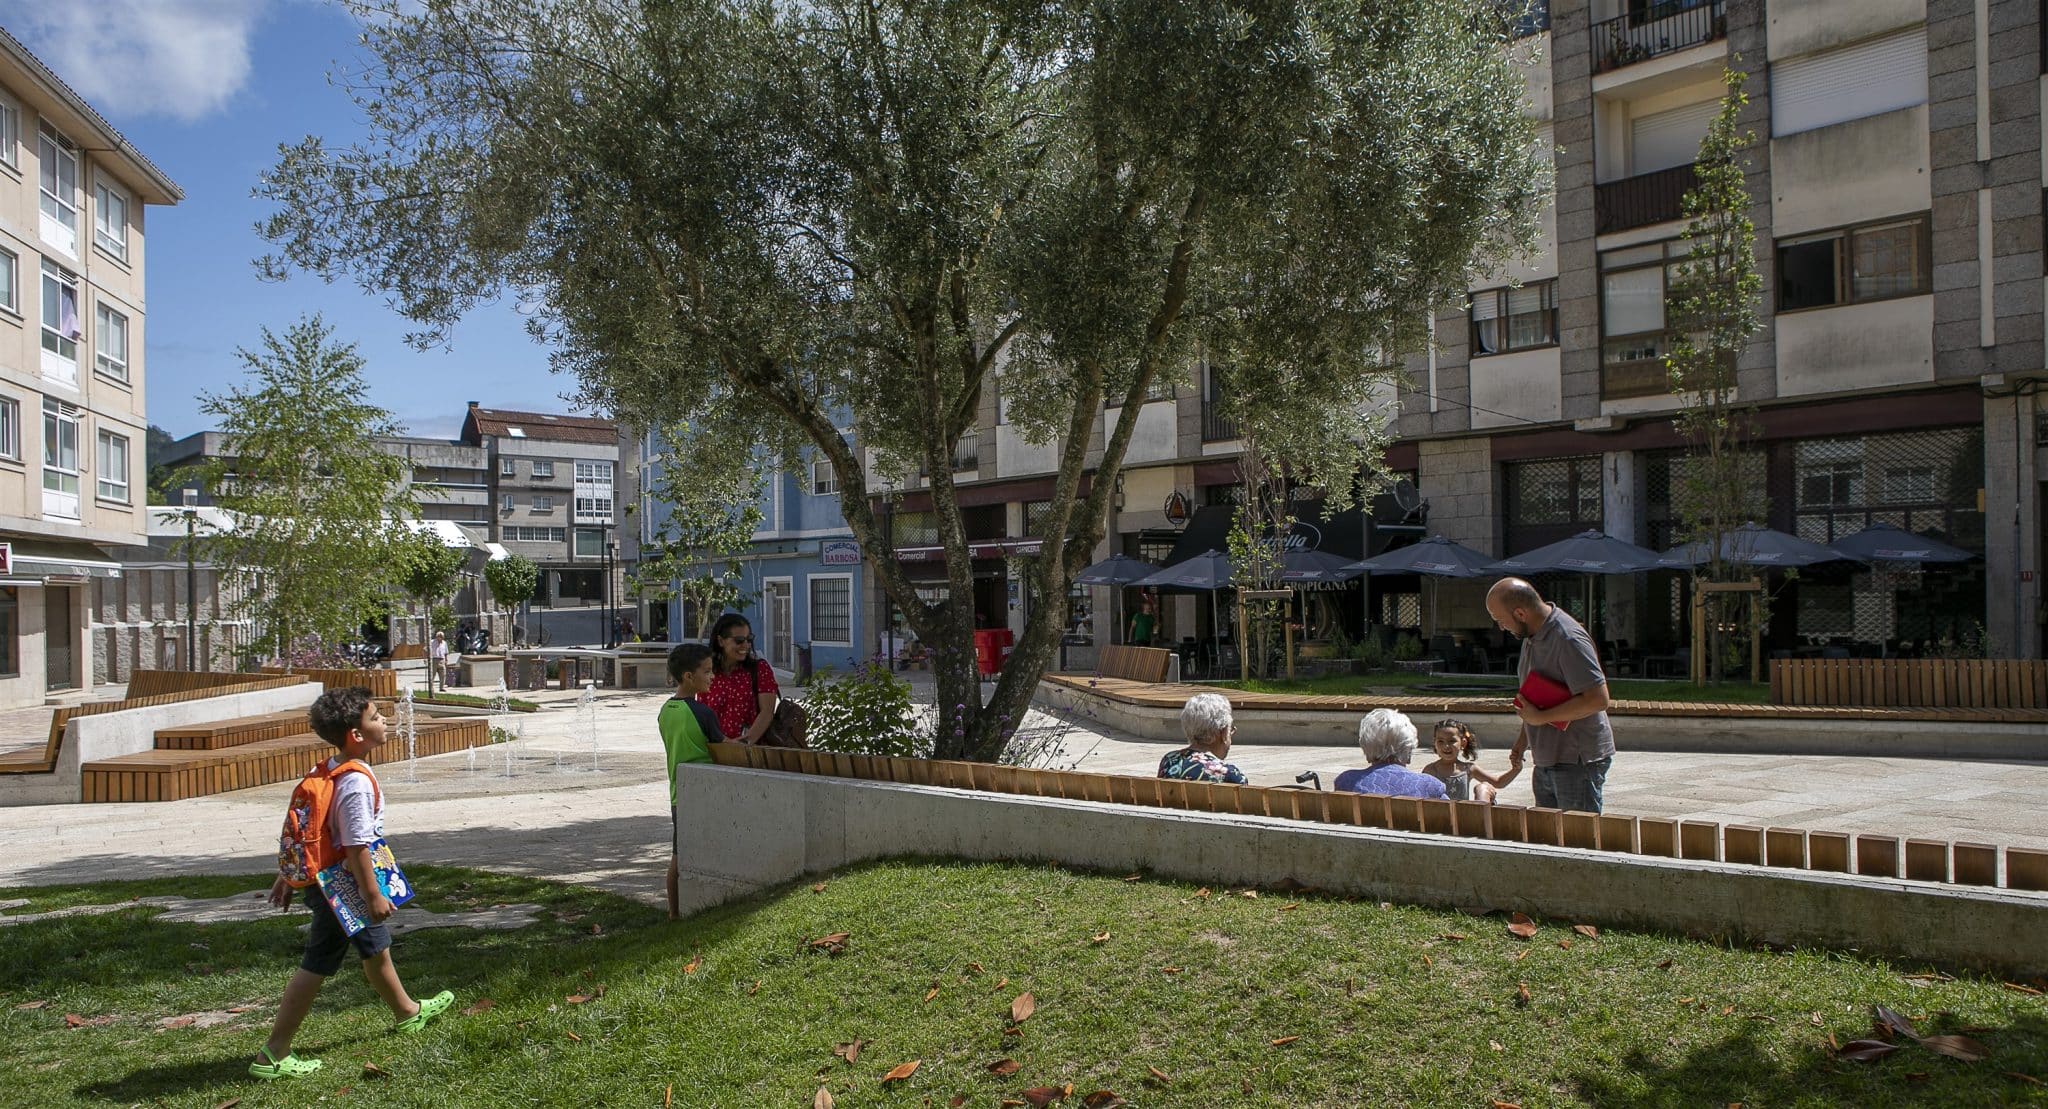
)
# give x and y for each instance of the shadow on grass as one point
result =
(1741, 1070)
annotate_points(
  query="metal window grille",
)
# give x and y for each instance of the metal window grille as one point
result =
(1551, 499)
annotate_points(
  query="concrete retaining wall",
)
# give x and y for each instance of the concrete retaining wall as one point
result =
(792, 825)
(1747, 735)
(113, 734)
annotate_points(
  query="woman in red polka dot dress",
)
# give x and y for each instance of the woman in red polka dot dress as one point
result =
(743, 692)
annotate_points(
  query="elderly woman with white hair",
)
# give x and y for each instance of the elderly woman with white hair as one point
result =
(1205, 721)
(1387, 739)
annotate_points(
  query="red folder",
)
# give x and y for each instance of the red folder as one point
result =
(1540, 692)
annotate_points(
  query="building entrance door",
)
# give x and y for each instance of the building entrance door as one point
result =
(781, 624)
(59, 639)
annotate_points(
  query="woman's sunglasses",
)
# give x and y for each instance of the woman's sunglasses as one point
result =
(746, 639)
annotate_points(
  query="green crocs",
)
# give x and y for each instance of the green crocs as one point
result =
(291, 1066)
(429, 1009)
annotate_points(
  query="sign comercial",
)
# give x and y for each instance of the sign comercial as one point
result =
(839, 552)
(6, 558)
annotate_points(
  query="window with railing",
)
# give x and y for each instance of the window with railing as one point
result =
(1641, 200)
(1648, 30)
(1217, 425)
(1513, 319)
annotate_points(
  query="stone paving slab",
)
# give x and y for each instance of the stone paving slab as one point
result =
(610, 829)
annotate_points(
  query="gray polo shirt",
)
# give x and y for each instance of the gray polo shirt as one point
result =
(1563, 652)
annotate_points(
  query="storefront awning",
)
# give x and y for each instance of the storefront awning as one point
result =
(990, 548)
(43, 558)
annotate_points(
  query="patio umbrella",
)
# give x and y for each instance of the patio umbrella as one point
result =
(1117, 570)
(1316, 566)
(1753, 544)
(1589, 552)
(1205, 573)
(1886, 543)
(1434, 557)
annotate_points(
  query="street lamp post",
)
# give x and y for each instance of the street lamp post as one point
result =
(191, 514)
(611, 555)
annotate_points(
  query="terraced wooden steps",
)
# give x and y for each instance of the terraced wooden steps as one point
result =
(223, 734)
(174, 774)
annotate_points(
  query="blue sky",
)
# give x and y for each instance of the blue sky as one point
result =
(208, 89)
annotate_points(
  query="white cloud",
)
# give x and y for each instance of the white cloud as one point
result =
(179, 58)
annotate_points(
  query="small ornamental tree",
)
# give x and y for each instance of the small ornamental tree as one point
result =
(311, 495)
(779, 221)
(1713, 304)
(427, 572)
(512, 580)
(713, 503)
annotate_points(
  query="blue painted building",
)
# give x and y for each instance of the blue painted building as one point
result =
(804, 577)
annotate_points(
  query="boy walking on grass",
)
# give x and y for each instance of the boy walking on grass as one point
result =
(349, 720)
(688, 729)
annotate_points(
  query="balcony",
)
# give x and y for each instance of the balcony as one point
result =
(966, 455)
(1642, 200)
(1216, 427)
(1648, 31)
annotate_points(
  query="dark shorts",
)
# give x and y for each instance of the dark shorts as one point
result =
(327, 944)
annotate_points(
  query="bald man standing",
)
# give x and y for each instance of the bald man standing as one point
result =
(1571, 764)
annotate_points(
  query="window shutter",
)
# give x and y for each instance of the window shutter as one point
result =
(1835, 86)
(1666, 139)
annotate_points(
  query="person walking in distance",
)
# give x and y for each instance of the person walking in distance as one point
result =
(1571, 742)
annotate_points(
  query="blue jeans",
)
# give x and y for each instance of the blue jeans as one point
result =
(1576, 786)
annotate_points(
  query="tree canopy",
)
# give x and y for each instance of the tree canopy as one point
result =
(785, 221)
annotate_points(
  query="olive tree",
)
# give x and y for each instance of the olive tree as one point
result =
(786, 221)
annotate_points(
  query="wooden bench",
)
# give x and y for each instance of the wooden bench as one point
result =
(223, 734)
(405, 651)
(382, 684)
(174, 774)
(1138, 664)
(1911, 682)
(45, 760)
(156, 683)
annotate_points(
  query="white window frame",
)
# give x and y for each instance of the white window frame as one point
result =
(543, 504)
(57, 414)
(508, 467)
(111, 482)
(109, 320)
(10, 428)
(54, 149)
(543, 470)
(60, 351)
(824, 482)
(592, 499)
(507, 503)
(811, 609)
(10, 265)
(107, 196)
(10, 133)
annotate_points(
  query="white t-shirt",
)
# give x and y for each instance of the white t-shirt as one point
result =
(356, 818)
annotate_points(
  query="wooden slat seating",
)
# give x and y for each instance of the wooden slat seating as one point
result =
(1138, 664)
(45, 760)
(382, 684)
(155, 683)
(223, 734)
(406, 651)
(169, 774)
(1156, 695)
(2025, 869)
(1912, 683)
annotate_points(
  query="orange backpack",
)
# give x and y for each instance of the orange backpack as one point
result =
(305, 849)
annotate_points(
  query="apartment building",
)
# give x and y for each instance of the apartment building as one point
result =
(1897, 193)
(72, 197)
(449, 479)
(553, 492)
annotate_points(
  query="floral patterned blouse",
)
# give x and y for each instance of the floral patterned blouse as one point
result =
(731, 698)
(1200, 766)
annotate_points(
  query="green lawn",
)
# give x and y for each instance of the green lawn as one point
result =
(1622, 689)
(737, 1007)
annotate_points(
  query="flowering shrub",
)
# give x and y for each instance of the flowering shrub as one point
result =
(865, 712)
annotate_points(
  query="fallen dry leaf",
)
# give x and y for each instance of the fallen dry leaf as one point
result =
(755, 988)
(668, 1096)
(176, 1022)
(1727, 1010)
(578, 998)
(1665, 965)
(1132, 877)
(1251, 894)
(234, 1101)
(573, 1036)
(901, 1071)
(1522, 996)
(2014, 986)
(1158, 1075)
(1102, 1099)
(1022, 1008)
(822, 1100)
(931, 993)
(1099, 937)
(1285, 1040)
(1957, 1047)
(1203, 892)
(832, 944)
(1586, 930)
(1011, 1031)
(372, 1070)
(695, 964)
(1003, 1068)
(1003, 981)
(1833, 1044)
(1813, 1019)
(45, 1001)
(481, 1005)
(1041, 1096)
(1888, 1021)
(1169, 970)
(73, 1020)
(957, 1101)
(1522, 954)
(848, 1051)
(819, 888)
(2024, 1077)
(1566, 944)
(597, 929)
(1499, 1104)
(1290, 906)
(1685, 1000)
(1865, 1051)
(1521, 927)
(974, 968)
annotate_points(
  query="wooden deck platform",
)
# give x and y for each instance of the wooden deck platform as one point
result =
(1157, 695)
(171, 773)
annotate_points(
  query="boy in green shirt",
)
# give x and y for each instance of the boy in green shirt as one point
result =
(688, 729)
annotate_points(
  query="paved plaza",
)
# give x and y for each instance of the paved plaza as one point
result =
(563, 807)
